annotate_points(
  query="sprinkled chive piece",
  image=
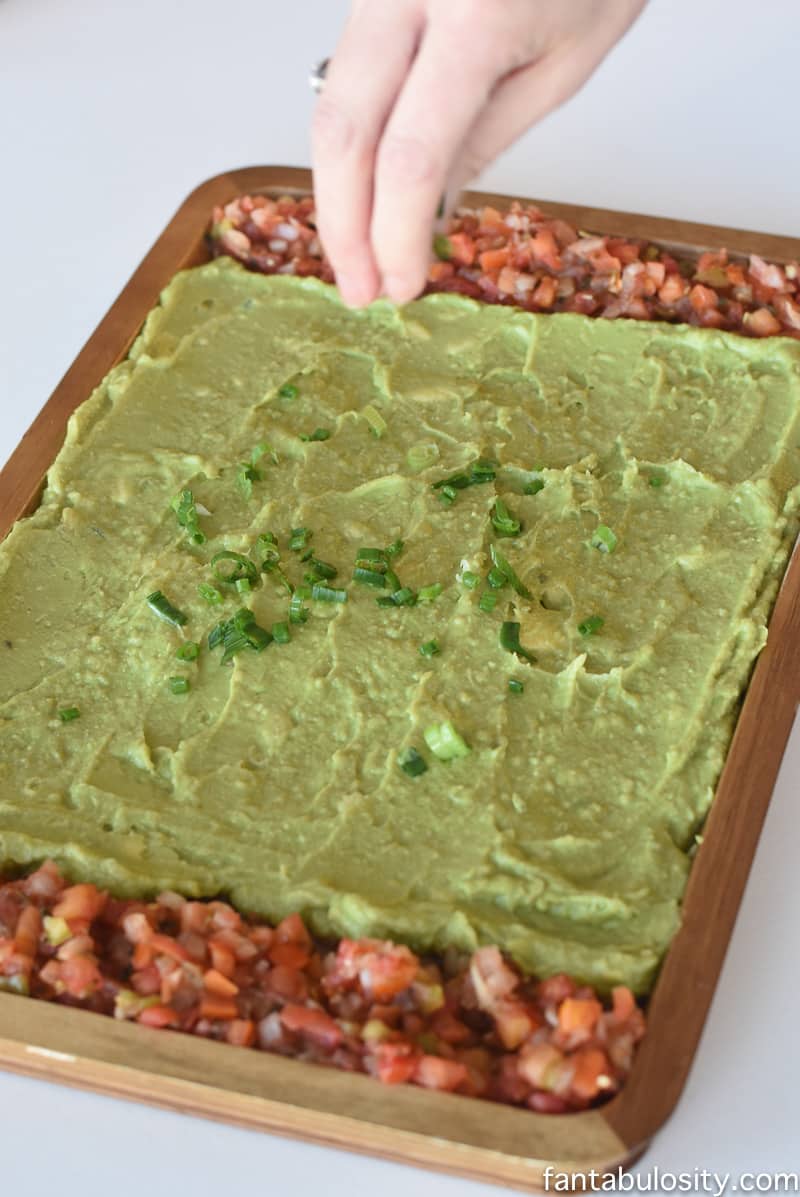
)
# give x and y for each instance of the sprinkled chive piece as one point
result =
(263, 449)
(210, 594)
(445, 742)
(488, 601)
(469, 579)
(511, 577)
(427, 594)
(246, 475)
(395, 548)
(420, 456)
(288, 391)
(479, 472)
(299, 539)
(509, 640)
(411, 762)
(189, 651)
(496, 578)
(281, 633)
(442, 247)
(186, 510)
(657, 479)
(515, 686)
(267, 551)
(591, 625)
(375, 420)
(243, 585)
(163, 608)
(298, 613)
(503, 521)
(179, 685)
(328, 594)
(604, 539)
(319, 571)
(67, 714)
(230, 567)
(370, 577)
(430, 648)
(319, 434)
(404, 597)
(535, 483)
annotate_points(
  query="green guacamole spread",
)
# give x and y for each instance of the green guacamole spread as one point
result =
(565, 834)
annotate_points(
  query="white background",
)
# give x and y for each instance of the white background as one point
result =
(110, 112)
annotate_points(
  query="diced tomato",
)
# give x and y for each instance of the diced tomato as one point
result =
(539, 1064)
(293, 955)
(579, 1014)
(591, 1068)
(702, 298)
(286, 983)
(80, 902)
(449, 1028)
(462, 249)
(514, 1022)
(547, 1103)
(241, 1032)
(44, 883)
(80, 976)
(435, 1073)
(438, 271)
(545, 294)
(29, 928)
(762, 323)
(544, 249)
(218, 1008)
(393, 1063)
(493, 260)
(158, 1017)
(672, 289)
(165, 945)
(218, 984)
(624, 1003)
(312, 1024)
(222, 958)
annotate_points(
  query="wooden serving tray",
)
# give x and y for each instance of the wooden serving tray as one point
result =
(461, 1135)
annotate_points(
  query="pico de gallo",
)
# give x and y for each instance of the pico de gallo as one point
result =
(542, 264)
(469, 1025)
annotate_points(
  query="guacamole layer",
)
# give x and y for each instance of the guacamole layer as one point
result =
(653, 473)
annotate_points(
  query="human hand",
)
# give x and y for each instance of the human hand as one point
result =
(420, 96)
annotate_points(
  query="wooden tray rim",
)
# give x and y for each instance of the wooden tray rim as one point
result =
(471, 1138)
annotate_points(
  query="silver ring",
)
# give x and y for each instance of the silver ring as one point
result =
(317, 77)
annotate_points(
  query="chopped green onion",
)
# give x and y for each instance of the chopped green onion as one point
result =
(469, 579)
(657, 479)
(511, 577)
(509, 640)
(237, 567)
(299, 539)
(479, 472)
(328, 594)
(369, 577)
(376, 556)
(210, 594)
(591, 625)
(535, 483)
(515, 686)
(374, 419)
(246, 475)
(411, 762)
(503, 521)
(179, 685)
(243, 585)
(257, 637)
(430, 648)
(67, 714)
(404, 597)
(189, 651)
(428, 593)
(448, 495)
(261, 450)
(297, 612)
(445, 742)
(604, 539)
(488, 601)
(280, 633)
(319, 434)
(186, 510)
(496, 578)
(423, 455)
(395, 548)
(163, 608)
(288, 391)
(442, 247)
(320, 570)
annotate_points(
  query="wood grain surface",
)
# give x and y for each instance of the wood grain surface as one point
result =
(465, 1136)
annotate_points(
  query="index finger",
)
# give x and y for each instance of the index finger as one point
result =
(361, 85)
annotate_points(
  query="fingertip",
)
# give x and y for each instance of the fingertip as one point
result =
(357, 291)
(401, 288)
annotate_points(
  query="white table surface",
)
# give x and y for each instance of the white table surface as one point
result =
(111, 111)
